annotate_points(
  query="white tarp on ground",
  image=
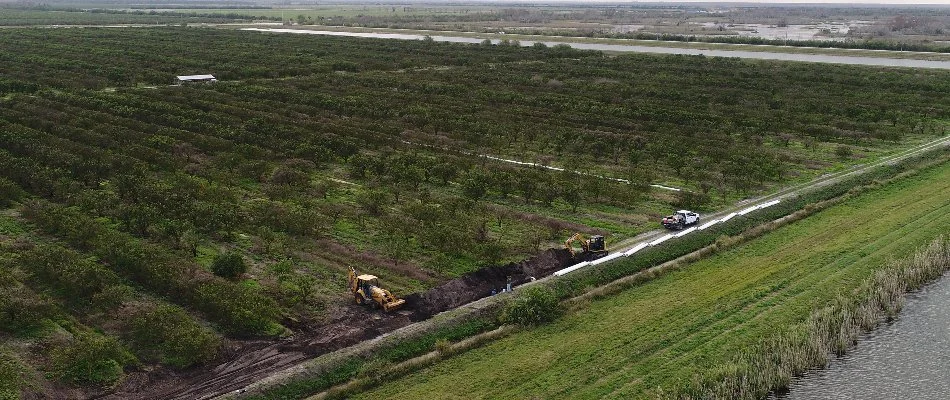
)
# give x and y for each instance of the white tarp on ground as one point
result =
(574, 267)
(728, 217)
(635, 249)
(708, 224)
(661, 240)
(685, 232)
(769, 204)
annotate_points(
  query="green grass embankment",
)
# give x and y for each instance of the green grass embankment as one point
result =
(659, 335)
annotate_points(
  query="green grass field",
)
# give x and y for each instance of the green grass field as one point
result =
(658, 335)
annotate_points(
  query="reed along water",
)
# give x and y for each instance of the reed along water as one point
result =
(908, 358)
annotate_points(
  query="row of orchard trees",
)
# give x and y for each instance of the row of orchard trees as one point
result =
(48, 285)
(99, 58)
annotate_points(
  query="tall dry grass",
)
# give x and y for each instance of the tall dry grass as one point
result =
(831, 330)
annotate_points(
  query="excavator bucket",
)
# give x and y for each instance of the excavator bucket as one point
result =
(393, 305)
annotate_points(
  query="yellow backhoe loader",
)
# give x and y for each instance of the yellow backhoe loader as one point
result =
(594, 247)
(366, 291)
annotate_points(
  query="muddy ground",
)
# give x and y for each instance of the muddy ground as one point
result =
(246, 361)
(481, 283)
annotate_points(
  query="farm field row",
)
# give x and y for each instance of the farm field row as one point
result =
(69, 17)
(657, 336)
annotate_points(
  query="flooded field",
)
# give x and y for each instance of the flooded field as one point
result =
(906, 359)
(816, 31)
(831, 30)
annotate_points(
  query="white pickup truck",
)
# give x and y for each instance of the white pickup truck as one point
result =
(681, 219)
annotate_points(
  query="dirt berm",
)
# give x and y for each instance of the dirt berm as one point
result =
(481, 283)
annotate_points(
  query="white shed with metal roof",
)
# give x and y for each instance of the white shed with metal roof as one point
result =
(195, 78)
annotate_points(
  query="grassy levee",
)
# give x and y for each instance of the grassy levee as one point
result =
(658, 336)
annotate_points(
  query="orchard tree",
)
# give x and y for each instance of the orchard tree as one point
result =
(228, 265)
(373, 201)
(571, 193)
(475, 185)
(444, 172)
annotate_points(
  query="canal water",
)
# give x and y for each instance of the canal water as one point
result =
(908, 358)
(761, 55)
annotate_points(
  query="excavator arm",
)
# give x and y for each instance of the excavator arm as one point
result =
(352, 280)
(594, 246)
(569, 243)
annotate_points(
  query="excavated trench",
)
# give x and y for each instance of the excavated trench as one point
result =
(481, 283)
(245, 362)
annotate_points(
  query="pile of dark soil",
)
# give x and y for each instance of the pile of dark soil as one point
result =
(481, 283)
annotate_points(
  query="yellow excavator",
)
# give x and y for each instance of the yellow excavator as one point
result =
(366, 291)
(594, 247)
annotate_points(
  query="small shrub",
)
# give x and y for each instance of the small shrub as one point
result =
(9, 192)
(535, 305)
(843, 152)
(228, 265)
(238, 309)
(91, 359)
(443, 346)
(171, 335)
(20, 310)
(112, 297)
(288, 176)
